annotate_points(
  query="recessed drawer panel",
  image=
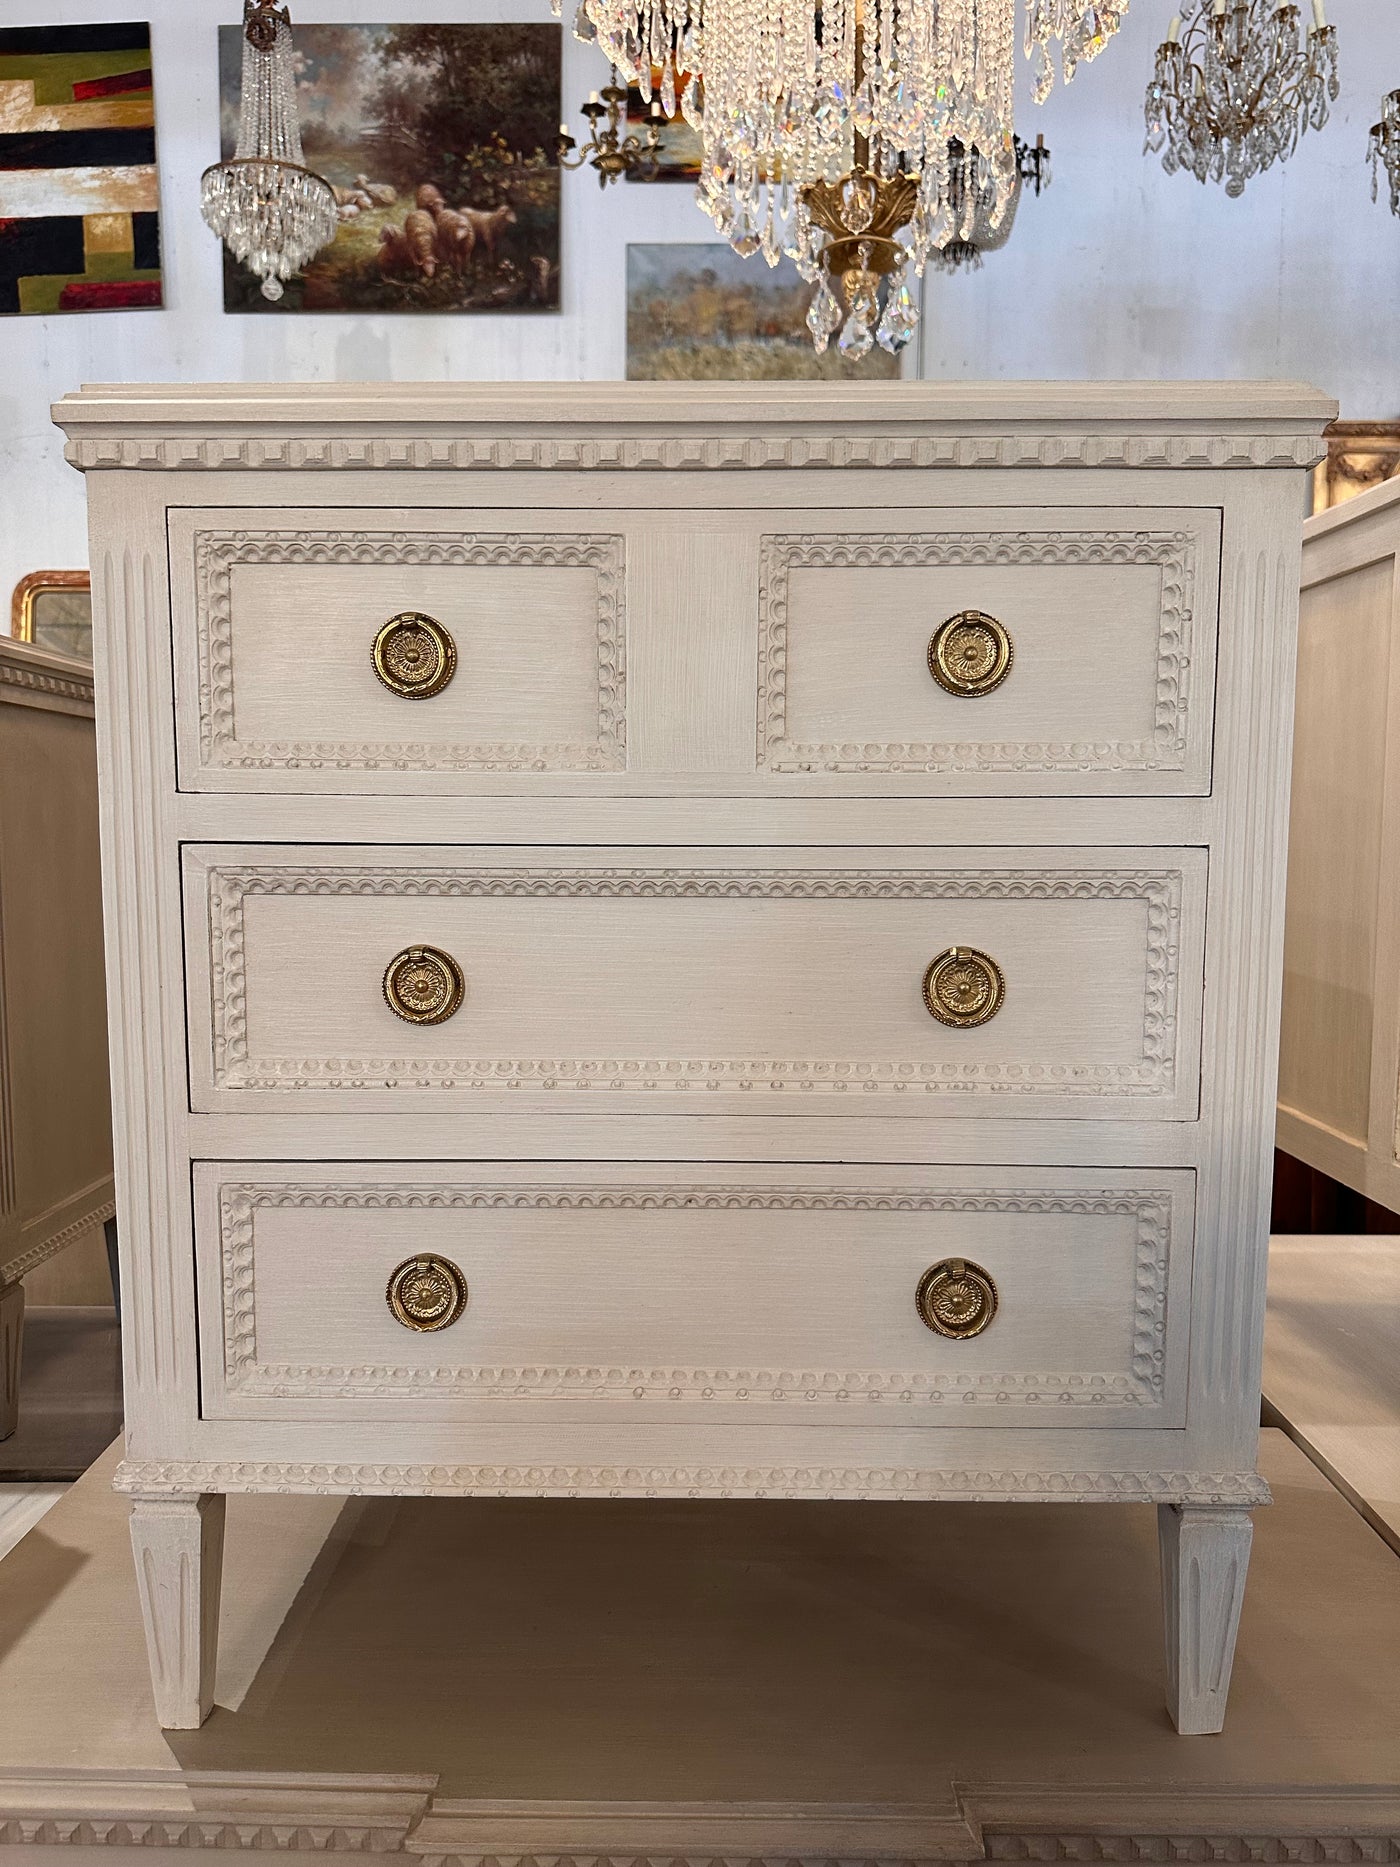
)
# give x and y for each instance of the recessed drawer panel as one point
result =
(1026, 981)
(1030, 650)
(1051, 1296)
(317, 649)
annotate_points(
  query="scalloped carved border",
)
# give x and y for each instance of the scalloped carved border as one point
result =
(1173, 553)
(1154, 1075)
(697, 452)
(1142, 1385)
(218, 554)
(192, 1477)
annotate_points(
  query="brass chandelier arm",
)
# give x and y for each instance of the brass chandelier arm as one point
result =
(607, 150)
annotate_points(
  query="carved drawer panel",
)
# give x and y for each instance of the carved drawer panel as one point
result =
(1021, 981)
(304, 661)
(1043, 651)
(636, 650)
(671, 1291)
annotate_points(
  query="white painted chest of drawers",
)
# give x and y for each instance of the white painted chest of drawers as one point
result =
(755, 911)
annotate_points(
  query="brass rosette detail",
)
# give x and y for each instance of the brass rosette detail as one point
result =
(414, 656)
(426, 1293)
(956, 1299)
(970, 654)
(424, 985)
(963, 987)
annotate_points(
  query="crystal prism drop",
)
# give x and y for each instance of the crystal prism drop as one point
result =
(823, 314)
(899, 322)
(855, 339)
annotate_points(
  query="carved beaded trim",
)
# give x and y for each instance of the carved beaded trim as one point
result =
(218, 554)
(35, 1255)
(1141, 1386)
(1173, 553)
(191, 1477)
(1153, 1075)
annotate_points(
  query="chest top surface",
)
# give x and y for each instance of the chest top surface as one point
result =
(678, 426)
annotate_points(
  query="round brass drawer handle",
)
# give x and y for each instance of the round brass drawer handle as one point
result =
(424, 985)
(426, 1293)
(970, 654)
(964, 987)
(414, 656)
(956, 1299)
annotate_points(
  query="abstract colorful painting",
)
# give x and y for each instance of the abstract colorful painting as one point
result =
(699, 313)
(79, 198)
(440, 143)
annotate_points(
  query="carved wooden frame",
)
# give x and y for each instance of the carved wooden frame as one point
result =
(1144, 1386)
(233, 1069)
(1175, 553)
(219, 553)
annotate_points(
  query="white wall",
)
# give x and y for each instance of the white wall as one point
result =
(1119, 270)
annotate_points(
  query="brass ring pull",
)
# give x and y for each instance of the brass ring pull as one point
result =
(964, 987)
(414, 656)
(956, 1299)
(424, 985)
(426, 1293)
(970, 654)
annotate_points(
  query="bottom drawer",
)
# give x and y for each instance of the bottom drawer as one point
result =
(676, 1292)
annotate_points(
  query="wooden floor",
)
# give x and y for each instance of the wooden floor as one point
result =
(1332, 1364)
(491, 1680)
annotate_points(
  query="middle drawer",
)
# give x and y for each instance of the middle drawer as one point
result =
(1041, 982)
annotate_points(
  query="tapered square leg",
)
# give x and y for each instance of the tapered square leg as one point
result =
(178, 1543)
(1205, 1556)
(11, 1342)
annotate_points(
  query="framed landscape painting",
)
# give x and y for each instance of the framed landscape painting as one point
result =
(440, 143)
(79, 194)
(701, 313)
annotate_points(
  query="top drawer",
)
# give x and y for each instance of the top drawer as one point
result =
(818, 651)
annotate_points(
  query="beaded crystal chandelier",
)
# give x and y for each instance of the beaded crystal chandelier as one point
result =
(1236, 84)
(1384, 150)
(273, 212)
(826, 127)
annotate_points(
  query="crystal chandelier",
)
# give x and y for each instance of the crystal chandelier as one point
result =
(826, 127)
(1235, 87)
(965, 253)
(1384, 150)
(273, 212)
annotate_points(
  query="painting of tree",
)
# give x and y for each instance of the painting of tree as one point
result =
(698, 312)
(439, 141)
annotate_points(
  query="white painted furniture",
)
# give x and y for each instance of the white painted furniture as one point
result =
(682, 857)
(55, 1115)
(1339, 1066)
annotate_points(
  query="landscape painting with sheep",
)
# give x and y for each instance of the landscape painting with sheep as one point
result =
(440, 144)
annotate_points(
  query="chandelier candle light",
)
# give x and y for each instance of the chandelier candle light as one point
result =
(1384, 150)
(610, 152)
(1236, 84)
(272, 211)
(827, 127)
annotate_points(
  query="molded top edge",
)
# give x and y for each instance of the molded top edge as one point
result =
(612, 404)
